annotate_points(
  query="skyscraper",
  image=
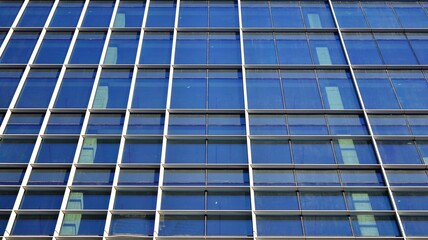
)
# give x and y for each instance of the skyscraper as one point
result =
(213, 119)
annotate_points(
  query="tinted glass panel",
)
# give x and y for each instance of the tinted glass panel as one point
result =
(83, 224)
(90, 199)
(136, 200)
(34, 224)
(105, 124)
(139, 177)
(146, 124)
(35, 14)
(65, 123)
(16, 150)
(22, 123)
(57, 151)
(67, 14)
(9, 79)
(98, 14)
(7, 199)
(8, 12)
(99, 150)
(11, 176)
(142, 151)
(113, 89)
(122, 48)
(156, 48)
(161, 14)
(88, 48)
(93, 177)
(129, 14)
(151, 88)
(132, 224)
(19, 47)
(34, 199)
(48, 176)
(54, 48)
(75, 88)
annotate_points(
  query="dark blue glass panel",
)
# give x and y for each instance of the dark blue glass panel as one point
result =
(54, 48)
(88, 199)
(65, 123)
(129, 14)
(191, 48)
(67, 14)
(14, 150)
(362, 49)
(186, 151)
(307, 125)
(11, 176)
(256, 14)
(19, 47)
(161, 14)
(322, 201)
(225, 89)
(8, 12)
(142, 151)
(349, 15)
(183, 200)
(194, 124)
(233, 124)
(179, 225)
(36, 199)
(142, 177)
(411, 14)
(189, 89)
(93, 177)
(380, 15)
(146, 124)
(317, 178)
(151, 88)
(135, 200)
(327, 226)
(326, 49)
(393, 45)
(350, 151)
(132, 224)
(415, 225)
(88, 48)
(113, 88)
(272, 177)
(260, 48)
(286, 14)
(368, 201)
(317, 15)
(411, 88)
(279, 226)
(83, 224)
(236, 200)
(264, 90)
(229, 226)
(419, 44)
(57, 151)
(98, 14)
(389, 125)
(156, 48)
(7, 199)
(268, 124)
(227, 152)
(411, 200)
(49, 176)
(99, 150)
(293, 49)
(35, 14)
(399, 152)
(312, 152)
(276, 201)
(24, 123)
(9, 80)
(223, 14)
(193, 14)
(105, 124)
(34, 224)
(270, 151)
(382, 225)
(4, 219)
(186, 177)
(76, 87)
(301, 90)
(361, 178)
(38, 88)
(228, 178)
(122, 48)
(224, 48)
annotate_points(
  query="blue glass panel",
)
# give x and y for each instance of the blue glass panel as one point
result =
(151, 88)
(88, 199)
(178, 225)
(307, 125)
(259, 48)
(191, 48)
(34, 224)
(11, 176)
(415, 225)
(411, 88)
(256, 14)
(411, 200)
(36, 199)
(54, 48)
(322, 201)
(317, 178)
(187, 124)
(228, 177)
(139, 177)
(38, 88)
(49, 176)
(35, 14)
(327, 226)
(146, 124)
(98, 14)
(225, 89)
(389, 125)
(14, 150)
(23, 123)
(362, 49)
(418, 124)
(189, 89)
(122, 48)
(193, 14)
(312, 152)
(19, 47)
(293, 49)
(8, 12)
(183, 200)
(4, 219)
(7, 199)
(135, 200)
(113, 88)
(423, 148)
(268, 125)
(317, 15)
(270, 151)
(67, 14)
(223, 14)
(380, 15)
(161, 14)
(9, 80)
(142, 151)
(411, 14)
(271, 177)
(105, 124)
(361, 178)
(350, 151)
(349, 15)
(129, 14)
(93, 177)
(276, 201)
(419, 44)
(156, 48)
(279, 226)
(227, 152)
(88, 48)
(232, 124)
(65, 123)
(326, 49)
(301, 90)
(229, 226)
(83, 224)
(338, 90)
(76, 87)
(399, 152)
(224, 48)
(186, 151)
(186, 177)
(393, 45)
(286, 14)
(384, 226)
(99, 150)
(132, 224)
(57, 151)
(368, 201)
(236, 200)
(407, 178)
(264, 90)
(347, 125)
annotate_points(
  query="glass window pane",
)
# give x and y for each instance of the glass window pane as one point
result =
(129, 14)
(317, 15)
(231, 124)
(380, 15)
(98, 14)
(82, 224)
(286, 14)
(419, 44)
(347, 124)
(223, 14)
(322, 201)
(228, 177)
(54, 48)
(349, 15)
(411, 88)
(264, 90)
(113, 88)
(76, 87)
(11, 176)
(411, 200)
(293, 49)
(105, 124)
(19, 47)
(33, 224)
(256, 14)
(393, 45)
(317, 178)
(268, 124)
(14, 150)
(301, 90)
(361, 178)
(146, 124)
(418, 124)
(156, 48)
(183, 200)
(132, 225)
(7, 198)
(65, 123)
(24, 123)
(36, 199)
(9, 80)
(312, 152)
(368, 201)
(224, 48)
(186, 151)
(276, 200)
(415, 225)
(399, 152)
(187, 124)
(271, 177)
(411, 14)
(189, 177)
(67, 14)
(56, 151)
(227, 152)
(139, 177)
(327, 226)
(279, 226)
(161, 14)
(349, 151)
(35, 14)
(236, 200)
(88, 199)
(225, 89)
(193, 14)
(326, 49)
(259, 48)
(307, 125)
(179, 225)
(229, 225)
(48, 176)
(142, 151)
(99, 150)
(8, 12)
(135, 200)
(270, 152)
(337, 90)
(93, 177)
(88, 48)
(407, 178)
(362, 49)
(122, 48)
(151, 88)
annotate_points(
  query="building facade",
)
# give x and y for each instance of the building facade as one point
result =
(216, 119)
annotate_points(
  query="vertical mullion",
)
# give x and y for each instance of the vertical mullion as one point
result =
(395, 209)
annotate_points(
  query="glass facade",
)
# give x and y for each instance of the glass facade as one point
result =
(213, 119)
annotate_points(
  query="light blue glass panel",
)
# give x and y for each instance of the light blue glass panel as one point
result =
(129, 14)
(54, 48)
(8, 12)
(379, 226)
(361, 178)
(56, 151)
(225, 89)
(407, 177)
(337, 90)
(156, 48)
(83, 224)
(307, 125)
(418, 124)
(161, 14)
(293, 49)
(231, 124)
(151, 88)
(347, 125)
(16, 150)
(122, 48)
(88, 48)
(19, 47)
(399, 152)
(411, 200)
(349, 151)
(192, 48)
(113, 89)
(67, 14)
(88, 200)
(419, 44)
(322, 201)
(268, 124)
(326, 49)
(142, 151)
(76, 87)
(317, 178)
(35, 14)
(389, 125)
(368, 200)
(99, 150)
(189, 89)
(273, 177)
(224, 48)
(411, 14)
(98, 14)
